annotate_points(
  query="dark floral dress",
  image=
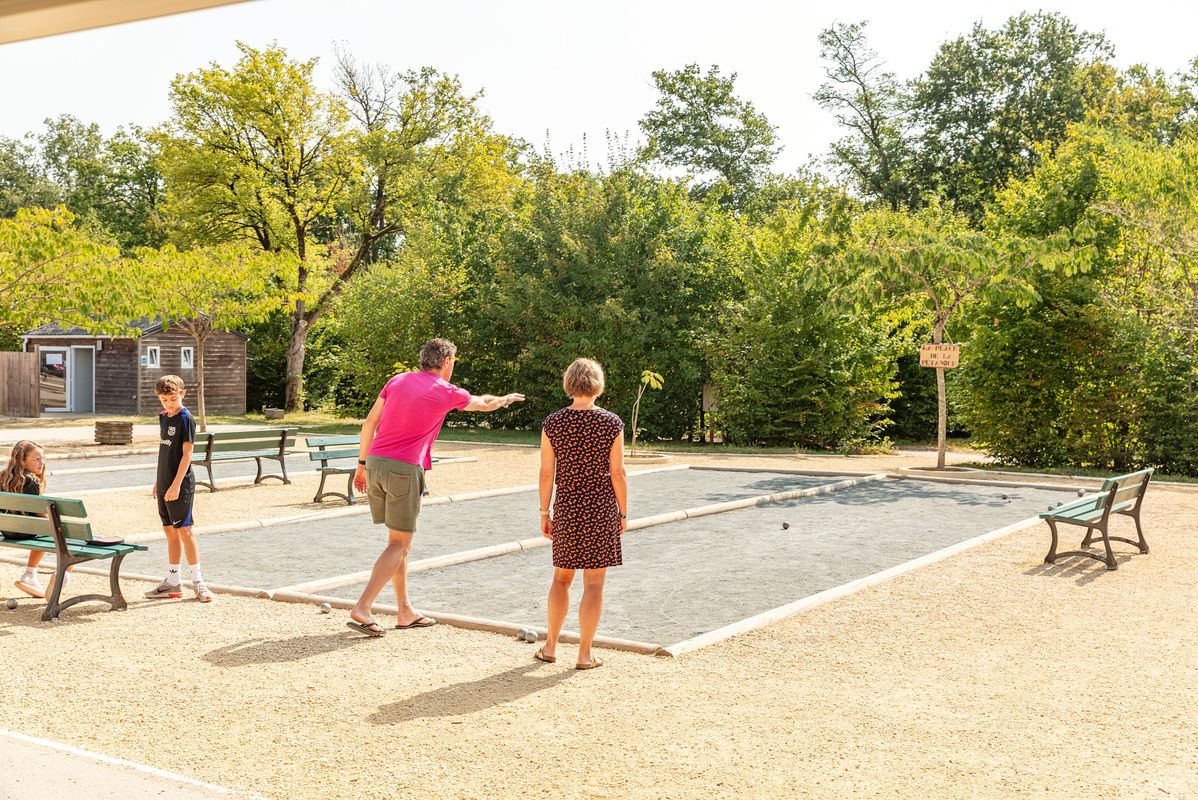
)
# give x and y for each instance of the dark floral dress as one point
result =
(586, 517)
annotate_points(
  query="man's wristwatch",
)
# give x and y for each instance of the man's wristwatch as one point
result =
(361, 463)
(623, 516)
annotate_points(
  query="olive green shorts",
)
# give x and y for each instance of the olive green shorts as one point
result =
(394, 489)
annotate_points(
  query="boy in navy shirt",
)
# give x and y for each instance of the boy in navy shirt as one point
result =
(175, 489)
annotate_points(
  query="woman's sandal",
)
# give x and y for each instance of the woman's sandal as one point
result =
(540, 656)
(592, 664)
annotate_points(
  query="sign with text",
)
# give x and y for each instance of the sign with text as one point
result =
(945, 356)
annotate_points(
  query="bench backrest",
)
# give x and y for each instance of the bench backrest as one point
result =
(15, 510)
(1129, 487)
(273, 439)
(332, 448)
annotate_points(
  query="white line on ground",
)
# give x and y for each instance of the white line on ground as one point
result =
(120, 762)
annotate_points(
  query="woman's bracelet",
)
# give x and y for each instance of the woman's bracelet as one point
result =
(544, 513)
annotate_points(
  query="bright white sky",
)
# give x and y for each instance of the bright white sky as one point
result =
(568, 68)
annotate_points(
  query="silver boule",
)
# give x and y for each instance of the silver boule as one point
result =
(325, 608)
(11, 604)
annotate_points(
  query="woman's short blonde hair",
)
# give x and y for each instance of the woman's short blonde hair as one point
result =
(583, 378)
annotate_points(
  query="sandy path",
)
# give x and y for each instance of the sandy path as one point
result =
(985, 675)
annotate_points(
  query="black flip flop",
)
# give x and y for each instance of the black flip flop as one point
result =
(369, 628)
(419, 622)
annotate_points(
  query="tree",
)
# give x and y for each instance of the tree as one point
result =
(53, 270)
(869, 102)
(934, 261)
(700, 124)
(259, 153)
(211, 289)
(989, 98)
(23, 179)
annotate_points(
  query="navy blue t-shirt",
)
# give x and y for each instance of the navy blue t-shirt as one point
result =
(31, 487)
(175, 431)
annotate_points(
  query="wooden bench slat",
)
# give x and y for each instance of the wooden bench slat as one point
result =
(256, 433)
(40, 504)
(331, 455)
(1125, 493)
(75, 546)
(219, 445)
(1126, 479)
(19, 523)
(235, 455)
(43, 526)
(325, 441)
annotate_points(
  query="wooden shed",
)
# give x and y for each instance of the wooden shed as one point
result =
(82, 372)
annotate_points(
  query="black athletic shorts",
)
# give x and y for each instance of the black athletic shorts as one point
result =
(177, 513)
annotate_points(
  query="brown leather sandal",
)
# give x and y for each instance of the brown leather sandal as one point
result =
(540, 656)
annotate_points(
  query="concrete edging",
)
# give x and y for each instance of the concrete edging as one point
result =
(471, 623)
(1052, 487)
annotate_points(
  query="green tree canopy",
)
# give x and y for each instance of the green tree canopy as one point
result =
(701, 125)
(990, 97)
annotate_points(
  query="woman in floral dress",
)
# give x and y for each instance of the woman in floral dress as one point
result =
(582, 458)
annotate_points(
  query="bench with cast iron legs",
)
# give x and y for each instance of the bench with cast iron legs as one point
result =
(337, 448)
(334, 448)
(242, 445)
(1123, 494)
(61, 527)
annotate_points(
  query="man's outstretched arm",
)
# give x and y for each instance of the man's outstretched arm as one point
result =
(490, 402)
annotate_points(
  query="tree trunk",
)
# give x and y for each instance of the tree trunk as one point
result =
(296, 350)
(941, 401)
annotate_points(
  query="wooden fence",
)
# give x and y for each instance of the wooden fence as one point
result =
(19, 389)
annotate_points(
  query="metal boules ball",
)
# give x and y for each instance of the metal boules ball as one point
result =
(1060, 503)
(11, 604)
(528, 635)
(325, 608)
(1004, 497)
(785, 526)
(1081, 492)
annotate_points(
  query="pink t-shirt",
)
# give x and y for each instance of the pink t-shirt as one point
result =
(414, 408)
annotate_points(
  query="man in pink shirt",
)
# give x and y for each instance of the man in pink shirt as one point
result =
(396, 448)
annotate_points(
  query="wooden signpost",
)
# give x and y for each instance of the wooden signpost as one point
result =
(944, 356)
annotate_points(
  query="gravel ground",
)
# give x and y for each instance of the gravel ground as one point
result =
(986, 675)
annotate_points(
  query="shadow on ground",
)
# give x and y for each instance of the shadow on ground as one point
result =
(469, 697)
(277, 651)
(1084, 570)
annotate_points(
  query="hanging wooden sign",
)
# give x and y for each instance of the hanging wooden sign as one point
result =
(945, 356)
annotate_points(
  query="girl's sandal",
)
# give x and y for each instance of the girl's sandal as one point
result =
(540, 656)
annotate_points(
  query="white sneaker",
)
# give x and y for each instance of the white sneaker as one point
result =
(31, 586)
(203, 593)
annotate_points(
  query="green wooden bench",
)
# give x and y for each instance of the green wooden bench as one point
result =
(1123, 494)
(61, 527)
(334, 448)
(337, 448)
(242, 445)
